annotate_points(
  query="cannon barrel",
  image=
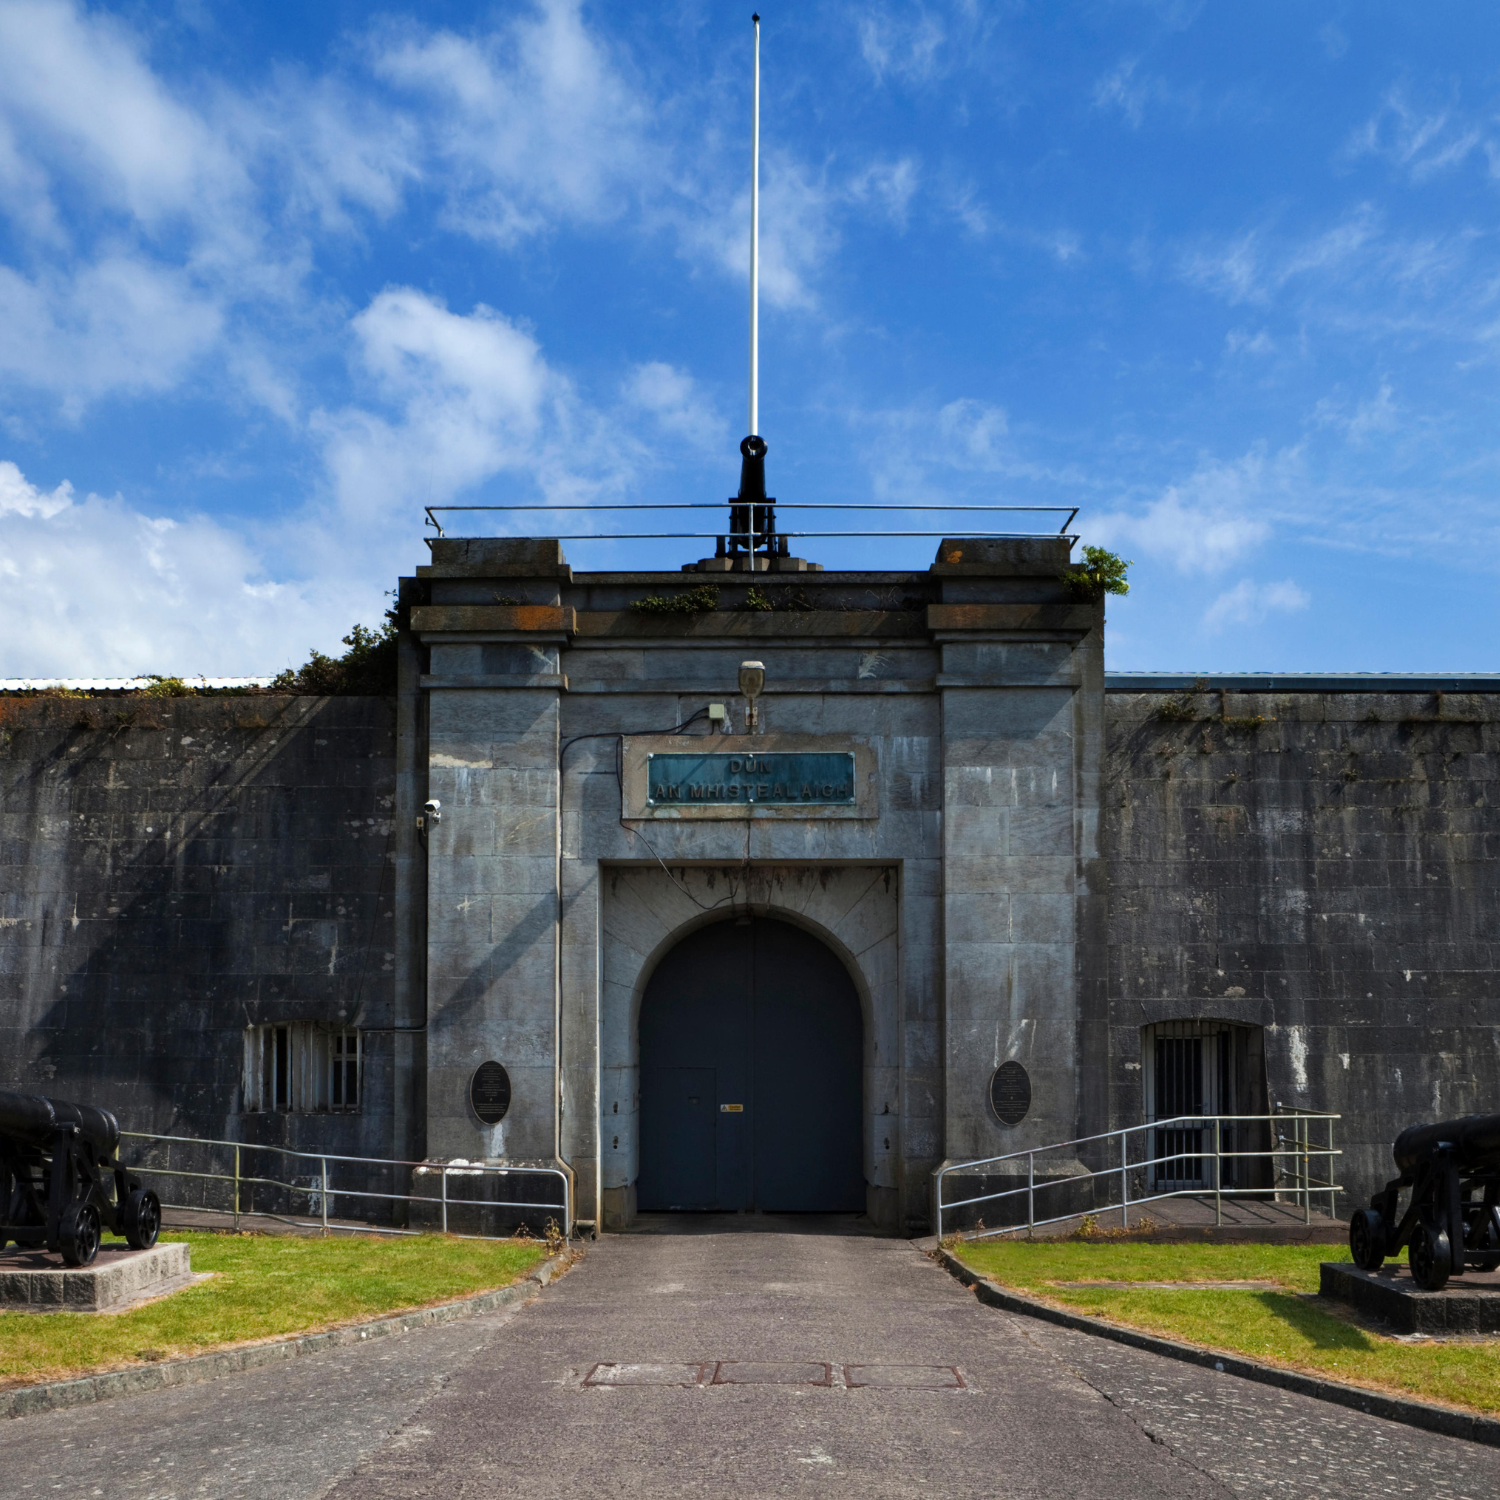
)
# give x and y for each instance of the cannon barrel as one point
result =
(1475, 1140)
(30, 1117)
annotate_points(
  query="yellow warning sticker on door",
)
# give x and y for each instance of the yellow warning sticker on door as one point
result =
(731, 1109)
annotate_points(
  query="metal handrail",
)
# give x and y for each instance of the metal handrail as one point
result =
(324, 1191)
(1299, 1147)
(434, 511)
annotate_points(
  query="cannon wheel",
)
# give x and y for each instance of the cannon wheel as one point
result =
(1486, 1254)
(78, 1234)
(142, 1219)
(1367, 1239)
(1431, 1257)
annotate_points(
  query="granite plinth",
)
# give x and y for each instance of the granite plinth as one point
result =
(38, 1281)
(1468, 1304)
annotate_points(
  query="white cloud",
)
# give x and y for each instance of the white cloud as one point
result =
(140, 149)
(536, 121)
(1335, 42)
(902, 46)
(1354, 273)
(1368, 419)
(1248, 603)
(1421, 142)
(889, 185)
(971, 433)
(1242, 341)
(1132, 93)
(466, 397)
(1218, 514)
(122, 323)
(18, 498)
(670, 397)
(951, 454)
(797, 231)
(183, 206)
(98, 588)
(1120, 89)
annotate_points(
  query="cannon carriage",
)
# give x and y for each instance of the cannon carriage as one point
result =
(1452, 1221)
(61, 1181)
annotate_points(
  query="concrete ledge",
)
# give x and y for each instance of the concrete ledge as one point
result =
(1451, 1423)
(1468, 1304)
(37, 1281)
(57, 1395)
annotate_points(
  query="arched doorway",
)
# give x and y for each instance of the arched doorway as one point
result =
(751, 1057)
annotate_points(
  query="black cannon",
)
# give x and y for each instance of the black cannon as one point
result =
(1453, 1219)
(61, 1180)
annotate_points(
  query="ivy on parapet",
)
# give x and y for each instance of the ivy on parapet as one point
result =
(1103, 572)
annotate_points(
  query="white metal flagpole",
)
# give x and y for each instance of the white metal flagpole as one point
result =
(755, 242)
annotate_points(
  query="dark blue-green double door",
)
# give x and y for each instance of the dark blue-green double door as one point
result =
(751, 1058)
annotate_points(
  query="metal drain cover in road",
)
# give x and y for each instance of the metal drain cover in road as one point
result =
(782, 1372)
(904, 1377)
(745, 1372)
(647, 1374)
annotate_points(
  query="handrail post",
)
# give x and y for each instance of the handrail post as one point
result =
(445, 1198)
(1218, 1172)
(938, 1196)
(1332, 1191)
(1030, 1192)
(236, 1189)
(1124, 1179)
(1306, 1170)
(323, 1196)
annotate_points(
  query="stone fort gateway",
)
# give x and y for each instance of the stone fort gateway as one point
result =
(922, 884)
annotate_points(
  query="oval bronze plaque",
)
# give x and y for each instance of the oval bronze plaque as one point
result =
(489, 1092)
(1010, 1093)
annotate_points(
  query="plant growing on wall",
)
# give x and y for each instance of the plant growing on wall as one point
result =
(366, 669)
(1103, 572)
(696, 601)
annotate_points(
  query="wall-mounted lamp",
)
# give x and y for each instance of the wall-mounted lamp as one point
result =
(752, 682)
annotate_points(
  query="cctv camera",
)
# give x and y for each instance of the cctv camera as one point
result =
(434, 810)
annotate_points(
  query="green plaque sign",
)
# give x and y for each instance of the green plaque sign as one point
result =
(780, 778)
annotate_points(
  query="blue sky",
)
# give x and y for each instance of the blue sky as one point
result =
(273, 277)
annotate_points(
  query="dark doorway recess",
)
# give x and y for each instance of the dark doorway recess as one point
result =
(756, 1014)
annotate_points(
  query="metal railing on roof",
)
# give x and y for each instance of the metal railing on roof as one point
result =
(1067, 512)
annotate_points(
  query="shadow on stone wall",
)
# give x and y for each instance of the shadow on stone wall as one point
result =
(1325, 866)
(176, 870)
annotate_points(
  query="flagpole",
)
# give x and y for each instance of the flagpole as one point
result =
(755, 241)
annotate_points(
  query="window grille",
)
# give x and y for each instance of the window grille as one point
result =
(302, 1067)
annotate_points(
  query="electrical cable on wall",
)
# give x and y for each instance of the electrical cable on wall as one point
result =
(618, 736)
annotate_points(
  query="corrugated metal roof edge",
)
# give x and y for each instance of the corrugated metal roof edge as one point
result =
(118, 684)
(1300, 682)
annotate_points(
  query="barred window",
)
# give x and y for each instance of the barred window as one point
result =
(301, 1067)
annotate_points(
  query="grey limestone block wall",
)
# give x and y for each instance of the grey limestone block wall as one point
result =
(1322, 865)
(174, 870)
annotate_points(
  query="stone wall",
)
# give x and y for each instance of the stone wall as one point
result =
(174, 870)
(1323, 865)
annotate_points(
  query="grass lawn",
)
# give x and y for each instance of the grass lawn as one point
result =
(1276, 1327)
(264, 1286)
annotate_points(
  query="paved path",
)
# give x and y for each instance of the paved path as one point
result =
(502, 1405)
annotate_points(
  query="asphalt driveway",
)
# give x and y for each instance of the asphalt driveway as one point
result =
(795, 1361)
